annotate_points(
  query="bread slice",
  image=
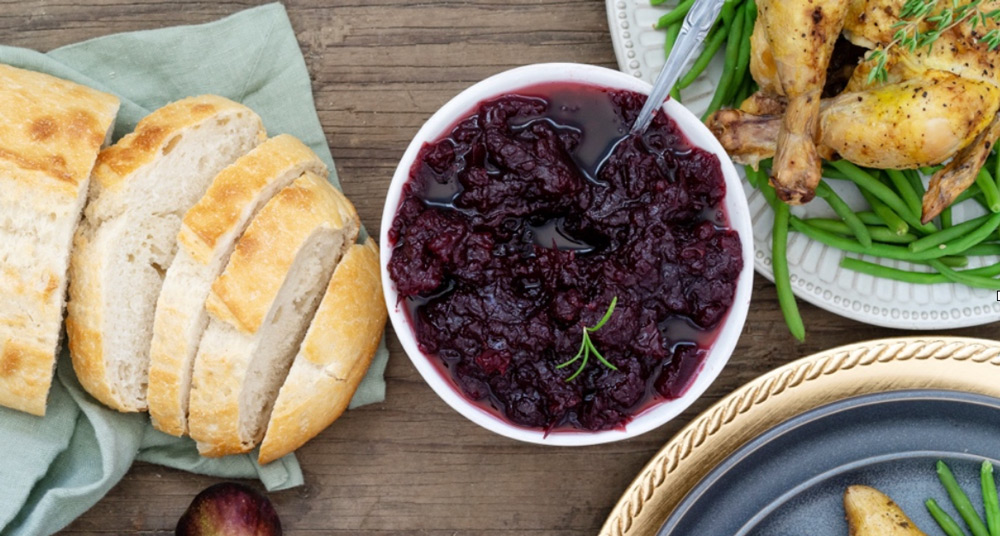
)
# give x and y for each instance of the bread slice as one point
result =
(142, 187)
(208, 234)
(333, 357)
(260, 308)
(50, 133)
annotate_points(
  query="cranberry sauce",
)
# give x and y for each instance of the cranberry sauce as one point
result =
(518, 229)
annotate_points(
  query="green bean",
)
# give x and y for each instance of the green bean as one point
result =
(990, 270)
(898, 252)
(727, 15)
(951, 261)
(869, 218)
(877, 232)
(829, 225)
(676, 14)
(917, 183)
(972, 236)
(968, 280)
(995, 161)
(732, 54)
(888, 217)
(833, 173)
(883, 234)
(743, 60)
(991, 503)
(712, 45)
(989, 188)
(944, 520)
(930, 170)
(847, 244)
(769, 193)
(886, 272)
(845, 212)
(992, 166)
(767, 190)
(782, 279)
(752, 176)
(961, 501)
(751, 7)
(672, 32)
(884, 193)
(912, 276)
(983, 250)
(940, 237)
(905, 190)
(946, 220)
(745, 91)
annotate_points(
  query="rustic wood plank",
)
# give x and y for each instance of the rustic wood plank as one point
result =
(412, 465)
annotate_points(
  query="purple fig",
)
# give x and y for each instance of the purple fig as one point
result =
(229, 509)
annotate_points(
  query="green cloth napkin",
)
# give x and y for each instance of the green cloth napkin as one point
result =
(53, 469)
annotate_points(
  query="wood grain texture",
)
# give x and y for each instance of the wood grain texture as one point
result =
(412, 466)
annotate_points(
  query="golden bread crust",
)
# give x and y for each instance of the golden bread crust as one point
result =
(334, 357)
(50, 133)
(243, 294)
(235, 187)
(51, 125)
(153, 134)
(25, 376)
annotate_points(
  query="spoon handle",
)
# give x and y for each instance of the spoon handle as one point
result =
(696, 25)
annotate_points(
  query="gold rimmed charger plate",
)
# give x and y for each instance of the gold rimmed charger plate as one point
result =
(950, 363)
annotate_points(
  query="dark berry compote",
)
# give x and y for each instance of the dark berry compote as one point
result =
(518, 229)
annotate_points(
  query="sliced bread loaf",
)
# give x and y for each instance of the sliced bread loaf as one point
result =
(50, 133)
(260, 308)
(334, 356)
(142, 187)
(208, 234)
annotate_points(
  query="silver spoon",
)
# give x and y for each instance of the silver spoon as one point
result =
(697, 23)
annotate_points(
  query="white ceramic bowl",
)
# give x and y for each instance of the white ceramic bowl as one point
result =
(735, 203)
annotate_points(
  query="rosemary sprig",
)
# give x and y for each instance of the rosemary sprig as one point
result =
(587, 346)
(917, 12)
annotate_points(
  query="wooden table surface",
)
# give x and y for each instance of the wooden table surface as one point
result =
(412, 465)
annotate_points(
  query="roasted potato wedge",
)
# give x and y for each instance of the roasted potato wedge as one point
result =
(871, 513)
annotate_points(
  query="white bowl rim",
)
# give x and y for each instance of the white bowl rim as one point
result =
(736, 207)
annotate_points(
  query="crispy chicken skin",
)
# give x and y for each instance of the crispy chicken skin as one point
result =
(935, 106)
(909, 124)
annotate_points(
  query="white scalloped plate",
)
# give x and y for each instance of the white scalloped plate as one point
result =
(815, 268)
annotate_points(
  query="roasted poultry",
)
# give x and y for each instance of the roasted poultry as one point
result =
(791, 47)
(933, 105)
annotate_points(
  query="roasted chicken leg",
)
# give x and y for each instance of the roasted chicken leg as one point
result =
(796, 38)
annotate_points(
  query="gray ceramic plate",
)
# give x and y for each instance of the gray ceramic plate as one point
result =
(790, 480)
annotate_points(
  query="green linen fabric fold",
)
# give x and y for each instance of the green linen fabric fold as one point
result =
(52, 469)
